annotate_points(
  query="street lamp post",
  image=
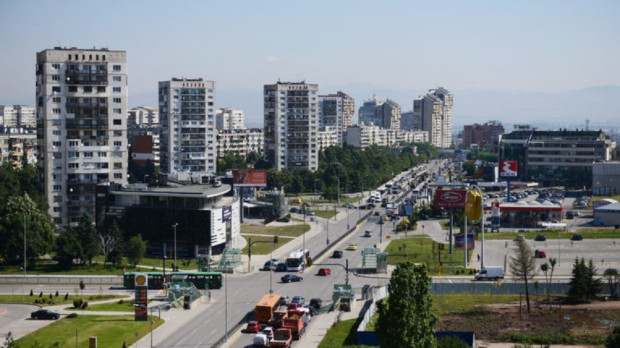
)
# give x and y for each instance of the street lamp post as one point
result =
(271, 269)
(348, 226)
(327, 230)
(338, 190)
(303, 209)
(24, 279)
(174, 267)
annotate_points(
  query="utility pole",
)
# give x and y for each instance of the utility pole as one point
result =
(175, 267)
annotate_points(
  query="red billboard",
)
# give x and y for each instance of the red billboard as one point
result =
(508, 169)
(250, 178)
(450, 198)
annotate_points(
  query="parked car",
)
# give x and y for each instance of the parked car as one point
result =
(324, 271)
(299, 300)
(337, 254)
(540, 238)
(316, 302)
(291, 278)
(253, 326)
(570, 215)
(352, 246)
(368, 234)
(576, 236)
(270, 264)
(539, 254)
(283, 219)
(44, 314)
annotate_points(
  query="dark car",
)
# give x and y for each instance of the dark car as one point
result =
(576, 236)
(281, 267)
(283, 219)
(44, 314)
(316, 303)
(295, 210)
(570, 215)
(291, 278)
(299, 300)
(337, 254)
(540, 238)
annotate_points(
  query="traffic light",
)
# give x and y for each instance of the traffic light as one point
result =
(275, 239)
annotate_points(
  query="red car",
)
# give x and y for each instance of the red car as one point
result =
(325, 272)
(253, 326)
(539, 254)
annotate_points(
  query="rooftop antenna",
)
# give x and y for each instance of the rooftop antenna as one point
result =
(587, 124)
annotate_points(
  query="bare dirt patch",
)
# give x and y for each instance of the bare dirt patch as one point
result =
(495, 322)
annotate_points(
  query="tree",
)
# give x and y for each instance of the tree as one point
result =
(613, 340)
(38, 225)
(67, 249)
(405, 317)
(112, 244)
(136, 250)
(451, 342)
(9, 342)
(87, 237)
(583, 284)
(523, 266)
(613, 280)
(545, 269)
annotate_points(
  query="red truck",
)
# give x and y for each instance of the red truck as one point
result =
(282, 338)
(296, 321)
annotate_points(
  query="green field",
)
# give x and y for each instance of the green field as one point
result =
(326, 214)
(593, 233)
(123, 305)
(46, 301)
(46, 267)
(110, 330)
(290, 230)
(341, 334)
(263, 248)
(422, 250)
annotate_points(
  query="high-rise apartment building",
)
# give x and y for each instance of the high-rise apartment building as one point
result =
(291, 125)
(81, 103)
(240, 141)
(143, 116)
(229, 119)
(406, 120)
(18, 116)
(188, 134)
(433, 113)
(484, 136)
(388, 115)
(367, 112)
(336, 112)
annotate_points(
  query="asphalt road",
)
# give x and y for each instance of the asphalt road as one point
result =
(15, 318)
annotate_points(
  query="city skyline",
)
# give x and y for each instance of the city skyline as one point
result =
(514, 49)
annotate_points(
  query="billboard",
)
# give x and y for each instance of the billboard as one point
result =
(450, 198)
(141, 283)
(255, 177)
(508, 169)
(459, 240)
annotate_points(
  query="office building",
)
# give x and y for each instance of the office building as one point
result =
(556, 157)
(240, 141)
(605, 178)
(18, 116)
(484, 136)
(188, 135)
(367, 112)
(81, 103)
(433, 113)
(291, 125)
(229, 119)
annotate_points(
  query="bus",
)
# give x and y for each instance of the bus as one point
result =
(201, 280)
(296, 261)
(266, 307)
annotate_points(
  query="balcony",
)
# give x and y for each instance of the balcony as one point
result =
(83, 78)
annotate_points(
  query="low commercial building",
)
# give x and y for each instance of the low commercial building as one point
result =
(607, 215)
(605, 178)
(205, 217)
(528, 214)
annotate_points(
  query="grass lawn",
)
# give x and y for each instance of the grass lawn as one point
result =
(341, 334)
(326, 214)
(118, 306)
(286, 231)
(594, 233)
(110, 330)
(424, 251)
(45, 299)
(184, 264)
(263, 248)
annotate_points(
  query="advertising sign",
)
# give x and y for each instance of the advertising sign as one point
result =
(141, 281)
(226, 213)
(255, 177)
(459, 239)
(508, 169)
(450, 198)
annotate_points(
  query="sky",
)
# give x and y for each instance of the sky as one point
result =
(396, 49)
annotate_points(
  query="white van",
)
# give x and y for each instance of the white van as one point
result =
(490, 273)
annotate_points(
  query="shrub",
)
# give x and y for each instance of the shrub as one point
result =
(451, 342)
(31, 292)
(66, 296)
(56, 293)
(121, 301)
(72, 315)
(77, 303)
(51, 296)
(84, 305)
(41, 294)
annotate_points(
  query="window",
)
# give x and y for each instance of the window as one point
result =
(100, 89)
(56, 111)
(117, 122)
(55, 77)
(56, 66)
(57, 188)
(74, 165)
(88, 89)
(118, 143)
(56, 99)
(118, 133)
(117, 154)
(116, 89)
(57, 209)
(56, 122)
(118, 175)
(72, 89)
(118, 111)
(56, 143)
(116, 78)
(57, 177)
(118, 165)
(73, 143)
(72, 154)
(56, 132)
(117, 100)
(103, 154)
(88, 154)
(57, 199)
(56, 89)
(116, 67)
